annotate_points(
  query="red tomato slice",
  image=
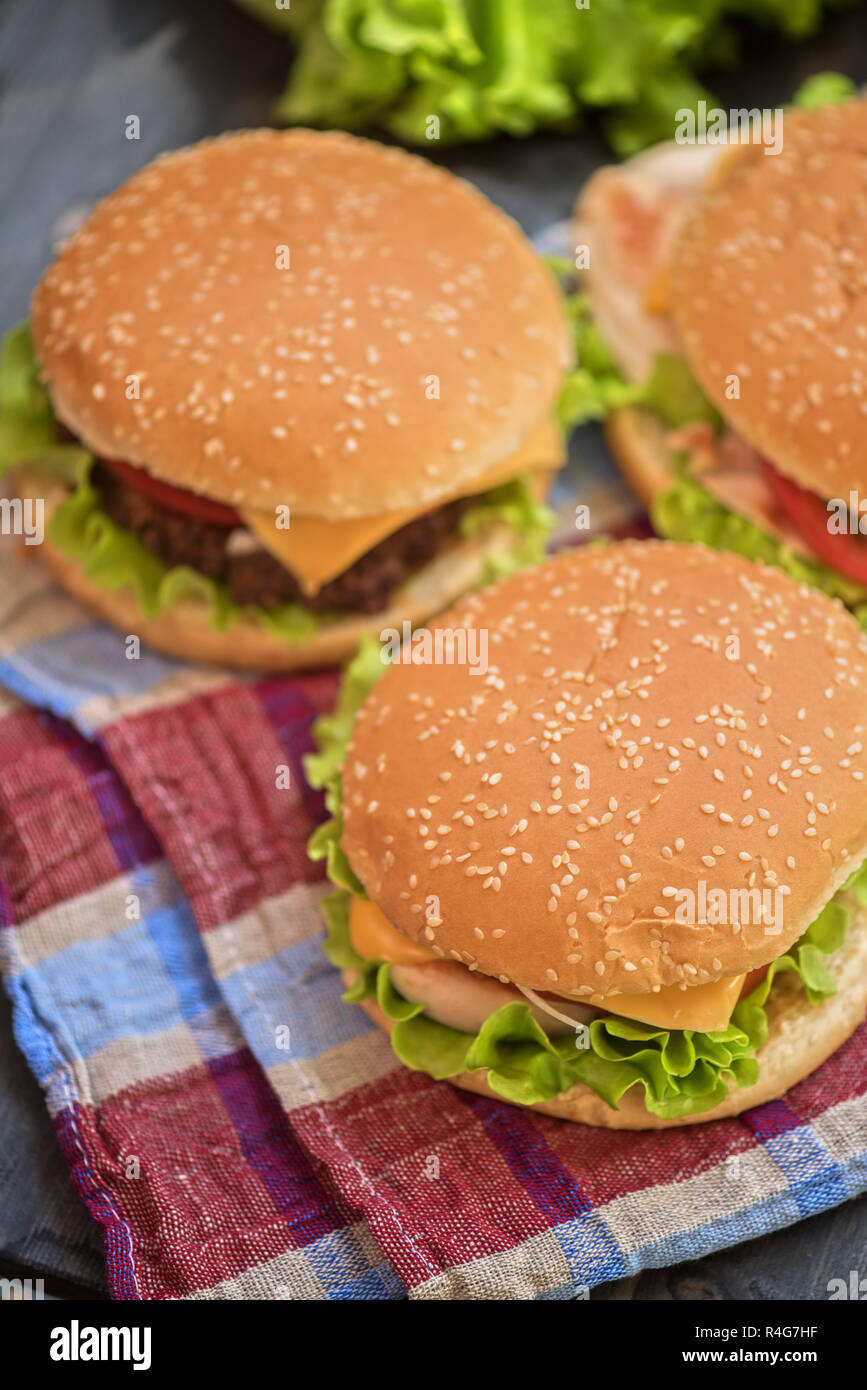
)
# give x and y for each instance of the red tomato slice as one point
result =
(179, 499)
(809, 515)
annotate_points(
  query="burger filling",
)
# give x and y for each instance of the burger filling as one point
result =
(686, 1047)
(232, 555)
(723, 492)
(291, 573)
(449, 987)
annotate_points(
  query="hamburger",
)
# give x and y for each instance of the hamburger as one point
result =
(284, 388)
(619, 875)
(730, 286)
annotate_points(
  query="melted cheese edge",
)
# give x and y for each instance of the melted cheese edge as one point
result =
(374, 938)
(316, 550)
(705, 1008)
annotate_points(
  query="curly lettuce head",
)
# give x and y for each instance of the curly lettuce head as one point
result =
(453, 70)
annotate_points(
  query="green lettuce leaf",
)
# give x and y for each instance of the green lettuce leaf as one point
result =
(331, 733)
(287, 17)
(672, 392)
(338, 947)
(116, 559)
(596, 386)
(27, 424)
(514, 504)
(425, 1045)
(682, 1072)
(824, 89)
(686, 511)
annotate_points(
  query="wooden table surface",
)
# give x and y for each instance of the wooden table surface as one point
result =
(71, 72)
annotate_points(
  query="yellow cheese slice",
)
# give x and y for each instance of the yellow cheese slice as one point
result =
(374, 938)
(317, 550)
(705, 1008)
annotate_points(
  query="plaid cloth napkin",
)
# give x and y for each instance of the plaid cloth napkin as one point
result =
(238, 1131)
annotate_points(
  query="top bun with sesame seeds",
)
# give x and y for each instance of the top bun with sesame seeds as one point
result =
(653, 717)
(301, 318)
(768, 290)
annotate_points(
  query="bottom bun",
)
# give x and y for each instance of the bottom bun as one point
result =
(637, 439)
(184, 629)
(801, 1037)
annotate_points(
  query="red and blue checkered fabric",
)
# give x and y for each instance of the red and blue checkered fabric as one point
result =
(235, 1128)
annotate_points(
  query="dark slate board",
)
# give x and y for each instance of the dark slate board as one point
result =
(44, 1229)
(71, 71)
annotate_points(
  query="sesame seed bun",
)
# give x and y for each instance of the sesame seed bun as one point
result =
(413, 341)
(769, 285)
(184, 629)
(718, 711)
(801, 1037)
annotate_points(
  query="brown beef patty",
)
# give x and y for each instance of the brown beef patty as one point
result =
(259, 578)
